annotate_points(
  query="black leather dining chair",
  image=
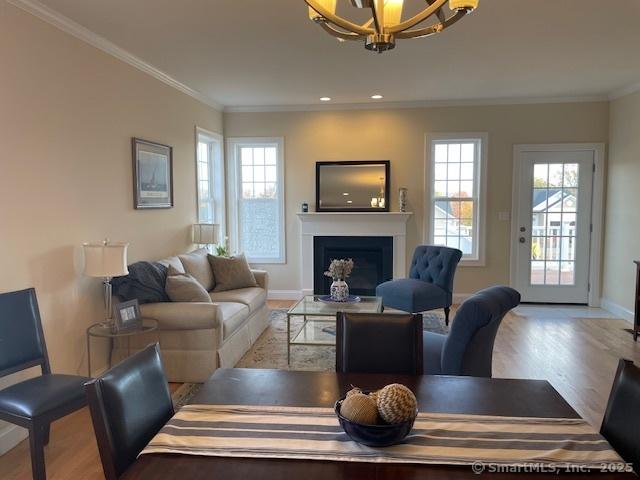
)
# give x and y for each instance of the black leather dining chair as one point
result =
(129, 404)
(621, 423)
(379, 343)
(35, 403)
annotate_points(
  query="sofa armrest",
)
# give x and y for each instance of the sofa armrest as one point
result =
(262, 278)
(182, 315)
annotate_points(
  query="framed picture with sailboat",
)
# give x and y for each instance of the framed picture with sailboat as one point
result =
(152, 174)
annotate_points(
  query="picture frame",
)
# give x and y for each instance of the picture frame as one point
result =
(152, 174)
(127, 316)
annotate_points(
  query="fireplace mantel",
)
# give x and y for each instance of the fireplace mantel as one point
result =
(382, 224)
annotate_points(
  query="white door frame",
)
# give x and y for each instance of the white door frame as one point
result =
(597, 208)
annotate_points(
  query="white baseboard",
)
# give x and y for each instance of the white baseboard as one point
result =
(284, 295)
(10, 436)
(617, 310)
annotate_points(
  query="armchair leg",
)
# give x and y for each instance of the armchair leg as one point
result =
(446, 315)
(36, 444)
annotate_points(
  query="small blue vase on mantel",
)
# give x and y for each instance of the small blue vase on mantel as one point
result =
(339, 291)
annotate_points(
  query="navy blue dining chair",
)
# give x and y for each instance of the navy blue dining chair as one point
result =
(468, 348)
(430, 282)
(35, 403)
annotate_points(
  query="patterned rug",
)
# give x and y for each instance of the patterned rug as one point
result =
(270, 351)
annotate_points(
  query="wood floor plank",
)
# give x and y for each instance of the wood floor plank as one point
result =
(578, 356)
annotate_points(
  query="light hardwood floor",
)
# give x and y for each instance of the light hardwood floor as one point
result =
(577, 355)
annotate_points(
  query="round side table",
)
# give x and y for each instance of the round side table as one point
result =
(99, 330)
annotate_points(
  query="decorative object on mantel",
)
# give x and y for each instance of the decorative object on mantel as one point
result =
(106, 260)
(152, 174)
(402, 193)
(353, 186)
(305, 207)
(385, 25)
(339, 271)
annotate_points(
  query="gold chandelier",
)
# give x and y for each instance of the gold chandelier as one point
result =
(386, 24)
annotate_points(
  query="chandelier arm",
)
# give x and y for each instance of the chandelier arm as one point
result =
(339, 34)
(418, 18)
(440, 14)
(339, 21)
(425, 32)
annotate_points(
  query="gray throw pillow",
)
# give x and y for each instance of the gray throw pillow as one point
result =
(182, 287)
(231, 273)
(196, 265)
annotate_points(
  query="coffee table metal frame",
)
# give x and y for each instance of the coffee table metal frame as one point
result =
(315, 311)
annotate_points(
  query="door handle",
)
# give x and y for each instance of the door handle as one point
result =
(522, 240)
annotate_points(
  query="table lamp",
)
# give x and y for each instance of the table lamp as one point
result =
(105, 260)
(205, 234)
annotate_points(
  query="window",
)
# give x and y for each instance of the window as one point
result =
(256, 184)
(210, 179)
(455, 186)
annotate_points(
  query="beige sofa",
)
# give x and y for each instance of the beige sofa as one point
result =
(197, 338)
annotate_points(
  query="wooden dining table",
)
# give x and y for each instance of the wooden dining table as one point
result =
(437, 394)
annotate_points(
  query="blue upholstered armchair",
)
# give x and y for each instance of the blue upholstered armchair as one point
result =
(430, 282)
(468, 348)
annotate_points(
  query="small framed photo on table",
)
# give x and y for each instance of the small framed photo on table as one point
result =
(127, 316)
(152, 174)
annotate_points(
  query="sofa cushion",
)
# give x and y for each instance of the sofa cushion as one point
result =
(252, 297)
(411, 295)
(231, 273)
(432, 346)
(233, 316)
(197, 265)
(172, 262)
(182, 287)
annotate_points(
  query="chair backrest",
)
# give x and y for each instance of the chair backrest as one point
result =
(379, 343)
(468, 349)
(621, 424)
(22, 342)
(129, 404)
(435, 265)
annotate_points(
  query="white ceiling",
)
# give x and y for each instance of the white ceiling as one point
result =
(267, 53)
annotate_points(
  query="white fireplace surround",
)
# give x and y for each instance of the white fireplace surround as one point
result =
(348, 224)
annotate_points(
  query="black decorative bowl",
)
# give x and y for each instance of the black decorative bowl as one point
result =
(380, 435)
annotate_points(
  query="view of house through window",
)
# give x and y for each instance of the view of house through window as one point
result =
(256, 185)
(455, 195)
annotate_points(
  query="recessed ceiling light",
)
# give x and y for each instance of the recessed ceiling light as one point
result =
(349, 201)
(376, 97)
(346, 194)
(325, 99)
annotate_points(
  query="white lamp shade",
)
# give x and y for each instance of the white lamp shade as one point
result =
(205, 233)
(105, 259)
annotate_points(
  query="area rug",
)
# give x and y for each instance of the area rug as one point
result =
(270, 351)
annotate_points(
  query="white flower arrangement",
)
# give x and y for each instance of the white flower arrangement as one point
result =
(340, 269)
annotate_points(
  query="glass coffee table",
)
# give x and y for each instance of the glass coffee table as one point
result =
(319, 319)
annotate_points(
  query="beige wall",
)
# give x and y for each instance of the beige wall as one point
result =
(67, 115)
(622, 235)
(399, 135)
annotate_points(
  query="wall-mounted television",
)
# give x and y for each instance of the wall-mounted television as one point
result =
(353, 186)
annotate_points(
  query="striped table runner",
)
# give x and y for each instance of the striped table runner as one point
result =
(445, 439)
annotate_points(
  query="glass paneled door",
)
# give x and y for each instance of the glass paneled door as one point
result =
(554, 226)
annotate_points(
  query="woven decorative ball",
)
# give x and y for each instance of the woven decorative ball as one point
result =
(353, 391)
(396, 403)
(360, 408)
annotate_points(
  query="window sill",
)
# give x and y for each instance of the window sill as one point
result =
(472, 263)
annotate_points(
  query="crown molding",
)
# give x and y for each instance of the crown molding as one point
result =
(624, 91)
(415, 104)
(73, 28)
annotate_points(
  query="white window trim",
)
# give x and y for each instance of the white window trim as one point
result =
(216, 182)
(481, 171)
(233, 159)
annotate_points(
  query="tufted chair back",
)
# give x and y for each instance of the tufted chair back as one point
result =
(468, 349)
(435, 265)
